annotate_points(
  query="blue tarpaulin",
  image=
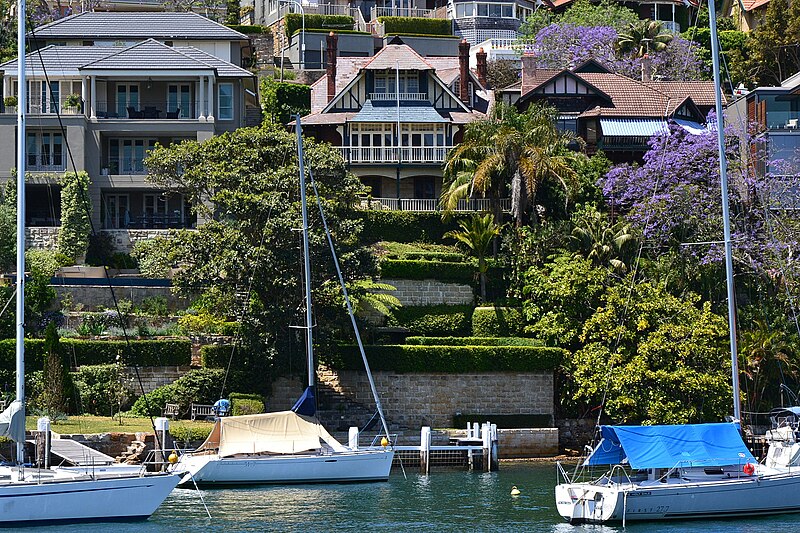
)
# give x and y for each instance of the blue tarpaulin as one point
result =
(669, 446)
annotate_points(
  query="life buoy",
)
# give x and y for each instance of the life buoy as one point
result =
(748, 469)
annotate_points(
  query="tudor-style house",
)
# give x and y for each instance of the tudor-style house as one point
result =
(395, 116)
(612, 112)
(120, 83)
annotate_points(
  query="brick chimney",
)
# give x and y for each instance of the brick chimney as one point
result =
(463, 65)
(647, 68)
(528, 70)
(332, 42)
(483, 70)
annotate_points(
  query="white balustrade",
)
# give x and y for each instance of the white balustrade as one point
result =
(391, 154)
(392, 97)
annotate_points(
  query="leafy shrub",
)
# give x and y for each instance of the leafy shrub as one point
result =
(155, 352)
(196, 386)
(294, 21)
(46, 262)
(281, 100)
(463, 273)
(434, 320)
(187, 434)
(154, 306)
(473, 341)
(416, 25)
(155, 400)
(405, 226)
(100, 249)
(249, 29)
(34, 358)
(10, 101)
(244, 406)
(155, 257)
(497, 321)
(101, 389)
(451, 359)
(215, 355)
(73, 235)
(205, 322)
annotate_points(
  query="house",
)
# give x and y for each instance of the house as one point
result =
(118, 94)
(611, 112)
(748, 14)
(773, 115)
(395, 116)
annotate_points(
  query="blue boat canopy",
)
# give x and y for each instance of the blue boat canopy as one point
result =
(669, 446)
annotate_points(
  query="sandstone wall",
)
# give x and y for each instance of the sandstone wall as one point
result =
(430, 292)
(152, 377)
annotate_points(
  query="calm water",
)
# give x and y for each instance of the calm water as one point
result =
(444, 501)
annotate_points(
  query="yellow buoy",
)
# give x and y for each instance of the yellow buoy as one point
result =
(515, 491)
(384, 442)
(173, 458)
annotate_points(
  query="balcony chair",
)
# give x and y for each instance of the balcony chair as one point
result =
(174, 114)
(132, 113)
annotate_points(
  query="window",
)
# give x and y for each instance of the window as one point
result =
(508, 11)
(88, 43)
(380, 84)
(385, 83)
(483, 10)
(225, 101)
(45, 151)
(154, 205)
(126, 156)
(424, 187)
(116, 211)
(179, 100)
(127, 97)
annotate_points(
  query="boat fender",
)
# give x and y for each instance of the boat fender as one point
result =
(748, 469)
(515, 491)
(384, 442)
(173, 458)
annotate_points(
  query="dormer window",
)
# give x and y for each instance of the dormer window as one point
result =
(385, 82)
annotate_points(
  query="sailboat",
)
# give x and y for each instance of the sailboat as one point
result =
(45, 495)
(288, 446)
(682, 471)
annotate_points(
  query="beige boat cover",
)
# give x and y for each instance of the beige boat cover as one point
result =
(281, 432)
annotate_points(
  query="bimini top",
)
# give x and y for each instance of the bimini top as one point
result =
(669, 446)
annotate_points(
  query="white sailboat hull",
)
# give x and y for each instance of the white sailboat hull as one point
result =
(82, 500)
(350, 466)
(678, 499)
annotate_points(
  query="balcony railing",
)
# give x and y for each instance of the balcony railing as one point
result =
(783, 120)
(151, 110)
(46, 162)
(321, 9)
(432, 204)
(125, 167)
(37, 106)
(393, 154)
(402, 12)
(392, 97)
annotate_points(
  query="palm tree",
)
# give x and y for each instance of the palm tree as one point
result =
(603, 243)
(477, 234)
(643, 37)
(508, 149)
(765, 356)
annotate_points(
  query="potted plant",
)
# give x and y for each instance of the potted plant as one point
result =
(72, 102)
(10, 101)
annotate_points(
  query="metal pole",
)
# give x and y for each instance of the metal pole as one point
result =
(306, 255)
(723, 177)
(22, 103)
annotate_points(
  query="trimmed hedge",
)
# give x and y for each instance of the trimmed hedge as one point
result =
(249, 29)
(463, 273)
(406, 226)
(434, 320)
(418, 25)
(423, 35)
(281, 100)
(444, 257)
(497, 322)
(177, 352)
(473, 341)
(215, 355)
(451, 359)
(294, 21)
(326, 31)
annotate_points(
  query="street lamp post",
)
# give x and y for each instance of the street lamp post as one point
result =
(303, 30)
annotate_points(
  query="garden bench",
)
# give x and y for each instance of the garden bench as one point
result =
(202, 411)
(171, 410)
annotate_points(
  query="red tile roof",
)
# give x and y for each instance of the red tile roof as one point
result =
(399, 56)
(749, 5)
(702, 92)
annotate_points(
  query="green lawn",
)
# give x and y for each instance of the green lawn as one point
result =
(104, 424)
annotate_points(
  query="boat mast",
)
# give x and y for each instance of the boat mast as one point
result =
(21, 105)
(723, 176)
(306, 257)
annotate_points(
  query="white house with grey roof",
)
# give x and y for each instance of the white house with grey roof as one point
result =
(117, 96)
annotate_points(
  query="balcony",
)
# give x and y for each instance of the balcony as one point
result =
(393, 154)
(37, 106)
(393, 97)
(783, 120)
(432, 204)
(45, 162)
(148, 110)
(403, 12)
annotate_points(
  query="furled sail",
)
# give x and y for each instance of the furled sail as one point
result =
(12, 422)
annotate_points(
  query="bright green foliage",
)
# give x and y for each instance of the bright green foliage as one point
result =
(473, 341)
(101, 389)
(477, 234)
(419, 269)
(73, 235)
(152, 403)
(293, 22)
(246, 406)
(196, 386)
(560, 296)
(773, 54)
(249, 29)
(216, 355)
(232, 8)
(644, 37)
(603, 243)
(281, 100)
(206, 322)
(154, 256)
(496, 322)
(733, 48)
(451, 359)
(767, 357)
(45, 262)
(582, 13)
(372, 297)
(657, 358)
(416, 25)
(434, 320)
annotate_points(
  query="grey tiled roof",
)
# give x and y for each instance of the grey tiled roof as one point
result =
(137, 25)
(147, 55)
(408, 113)
(224, 69)
(58, 59)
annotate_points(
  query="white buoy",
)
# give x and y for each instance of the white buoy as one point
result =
(515, 491)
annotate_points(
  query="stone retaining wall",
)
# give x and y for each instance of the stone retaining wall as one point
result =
(152, 377)
(99, 297)
(123, 239)
(430, 292)
(42, 237)
(576, 433)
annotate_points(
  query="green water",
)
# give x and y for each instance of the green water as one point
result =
(446, 500)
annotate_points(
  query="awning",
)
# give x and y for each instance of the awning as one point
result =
(670, 446)
(632, 127)
(692, 127)
(388, 113)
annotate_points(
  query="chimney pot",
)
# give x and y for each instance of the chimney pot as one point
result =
(463, 65)
(332, 51)
(482, 68)
(528, 70)
(647, 68)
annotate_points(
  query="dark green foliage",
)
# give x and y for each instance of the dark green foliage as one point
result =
(8, 225)
(425, 35)
(73, 235)
(281, 100)
(249, 29)
(58, 391)
(196, 386)
(155, 401)
(448, 272)
(101, 390)
(451, 359)
(190, 434)
(100, 249)
(232, 9)
(434, 320)
(294, 22)
(337, 31)
(473, 341)
(215, 355)
(416, 25)
(247, 406)
(405, 226)
(497, 321)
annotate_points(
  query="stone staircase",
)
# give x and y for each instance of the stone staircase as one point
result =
(338, 411)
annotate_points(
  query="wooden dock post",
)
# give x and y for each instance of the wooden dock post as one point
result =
(486, 442)
(43, 437)
(352, 438)
(425, 450)
(494, 450)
